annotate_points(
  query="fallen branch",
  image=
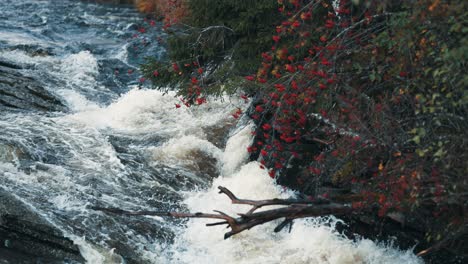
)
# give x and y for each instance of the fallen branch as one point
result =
(294, 208)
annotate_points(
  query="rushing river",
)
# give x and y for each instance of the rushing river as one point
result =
(117, 145)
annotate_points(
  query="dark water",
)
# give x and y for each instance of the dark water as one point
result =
(96, 151)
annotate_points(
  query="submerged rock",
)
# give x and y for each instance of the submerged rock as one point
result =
(26, 237)
(10, 153)
(19, 92)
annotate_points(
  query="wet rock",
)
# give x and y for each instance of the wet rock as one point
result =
(9, 153)
(19, 92)
(113, 74)
(217, 134)
(34, 50)
(26, 237)
(10, 65)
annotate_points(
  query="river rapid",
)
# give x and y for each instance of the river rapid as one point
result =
(116, 144)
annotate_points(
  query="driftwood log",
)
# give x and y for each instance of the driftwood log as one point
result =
(293, 209)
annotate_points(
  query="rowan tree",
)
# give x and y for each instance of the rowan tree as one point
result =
(362, 102)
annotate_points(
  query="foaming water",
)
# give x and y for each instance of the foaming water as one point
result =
(23, 57)
(16, 38)
(234, 154)
(77, 102)
(313, 240)
(183, 151)
(81, 68)
(144, 111)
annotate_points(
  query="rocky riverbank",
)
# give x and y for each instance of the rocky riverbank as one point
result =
(26, 237)
(20, 92)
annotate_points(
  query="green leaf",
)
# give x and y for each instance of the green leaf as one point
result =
(420, 152)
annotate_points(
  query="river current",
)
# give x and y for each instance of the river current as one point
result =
(120, 144)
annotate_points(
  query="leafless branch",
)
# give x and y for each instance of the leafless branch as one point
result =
(294, 208)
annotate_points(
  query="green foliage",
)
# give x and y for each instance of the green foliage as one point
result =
(224, 38)
(389, 77)
(424, 46)
(251, 22)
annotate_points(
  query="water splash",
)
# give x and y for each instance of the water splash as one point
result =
(145, 111)
(313, 240)
(80, 69)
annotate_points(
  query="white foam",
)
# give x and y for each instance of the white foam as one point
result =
(16, 38)
(181, 151)
(54, 175)
(235, 153)
(122, 53)
(67, 203)
(80, 69)
(76, 101)
(88, 252)
(146, 111)
(138, 111)
(24, 57)
(311, 241)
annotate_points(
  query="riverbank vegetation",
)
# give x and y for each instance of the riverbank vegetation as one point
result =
(361, 103)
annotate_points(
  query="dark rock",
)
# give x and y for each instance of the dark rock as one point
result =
(33, 50)
(10, 153)
(113, 75)
(10, 65)
(19, 92)
(26, 237)
(217, 134)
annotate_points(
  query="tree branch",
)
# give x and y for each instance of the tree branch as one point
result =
(294, 208)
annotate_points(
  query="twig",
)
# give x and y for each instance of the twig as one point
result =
(294, 208)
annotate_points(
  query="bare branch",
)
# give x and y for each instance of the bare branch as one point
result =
(294, 208)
